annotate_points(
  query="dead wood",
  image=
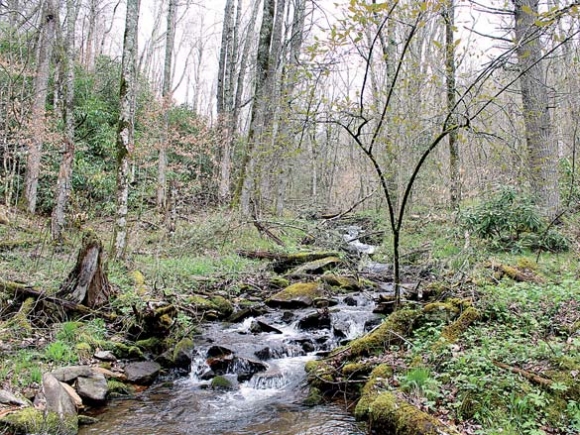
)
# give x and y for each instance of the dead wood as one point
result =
(532, 377)
(19, 290)
(516, 274)
(87, 284)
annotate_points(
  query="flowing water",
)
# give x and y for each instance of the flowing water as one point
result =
(270, 402)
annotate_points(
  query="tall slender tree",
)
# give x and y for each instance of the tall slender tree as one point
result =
(126, 125)
(542, 148)
(167, 93)
(46, 40)
(65, 172)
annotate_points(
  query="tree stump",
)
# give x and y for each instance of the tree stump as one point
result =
(87, 283)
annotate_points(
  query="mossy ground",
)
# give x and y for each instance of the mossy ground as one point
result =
(441, 355)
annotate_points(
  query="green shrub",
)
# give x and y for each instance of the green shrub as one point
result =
(510, 221)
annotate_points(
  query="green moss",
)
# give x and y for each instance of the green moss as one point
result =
(392, 331)
(149, 344)
(356, 369)
(185, 345)
(279, 282)
(32, 420)
(452, 332)
(314, 397)
(221, 383)
(123, 351)
(390, 414)
(223, 305)
(378, 379)
(302, 294)
(342, 282)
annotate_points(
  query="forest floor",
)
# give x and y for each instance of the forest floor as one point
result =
(514, 368)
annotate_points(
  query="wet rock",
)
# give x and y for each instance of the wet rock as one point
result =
(179, 357)
(342, 282)
(142, 372)
(306, 344)
(372, 323)
(8, 398)
(299, 295)
(105, 355)
(287, 317)
(258, 326)
(324, 302)
(242, 315)
(316, 320)
(218, 351)
(243, 367)
(93, 388)
(316, 267)
(341, 329)
(350, 301)
(225, 383)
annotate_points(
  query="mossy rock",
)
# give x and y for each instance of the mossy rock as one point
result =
(279, 282)
(152, 344)
(314, 397)
(391, 332)
(378, 380)
(297, 295)
(345, 283)
(452, 332)
(224, 306)
(200, 303)
(289, 261)
(33, 421)
(316, 266)
(320, 375)
(123, 351)
(390, 414)
(221, 383)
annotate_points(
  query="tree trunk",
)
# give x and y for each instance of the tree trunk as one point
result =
(167, 94)
(87, 283)
(63, 185)
(227, 65)
(245, 182)
(542, 148)
(44, 53)
(126, 126)
(455, 182)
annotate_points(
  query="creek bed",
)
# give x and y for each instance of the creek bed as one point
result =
(270, 403)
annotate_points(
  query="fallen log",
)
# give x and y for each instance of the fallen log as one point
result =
(19, 290)
(532, 377)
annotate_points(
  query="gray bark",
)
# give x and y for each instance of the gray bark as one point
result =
(542, 148)
(227, 66)
(455, 182)
(126, 126)
(166, 94)
(245, 182)
(44, 53)
(65, 173)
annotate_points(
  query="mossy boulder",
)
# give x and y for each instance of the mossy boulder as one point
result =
(345, 283)
(222, 383)
(316, 266)
(378, 380)
(289, 261)
(224, 307)
(32, 421)
(391, 332)
(389, 414)
(299, 295)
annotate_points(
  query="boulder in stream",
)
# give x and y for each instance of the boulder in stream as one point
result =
(142, 372)
(299, 295)
(316, 320)
(93, 388)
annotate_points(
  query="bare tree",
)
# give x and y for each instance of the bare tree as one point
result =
(454, 174)
(126, 126)
(542, 148)
(167, 97)
(63, 185)
(43, 56)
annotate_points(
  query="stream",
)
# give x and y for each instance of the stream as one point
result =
(264, 401)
